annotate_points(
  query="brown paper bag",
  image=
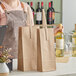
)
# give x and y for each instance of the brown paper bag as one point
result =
(27, 54)
(46, 60)
(45, 51)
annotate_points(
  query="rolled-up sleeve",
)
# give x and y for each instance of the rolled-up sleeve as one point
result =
(30, 19)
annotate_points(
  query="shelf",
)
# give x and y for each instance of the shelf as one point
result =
(55, 12)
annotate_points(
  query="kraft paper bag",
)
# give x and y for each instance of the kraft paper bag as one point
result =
(46, 59)
(27, 53)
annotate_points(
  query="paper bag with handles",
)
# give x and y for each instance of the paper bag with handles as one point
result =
(46, 60)
(27, 53)
(36, 48)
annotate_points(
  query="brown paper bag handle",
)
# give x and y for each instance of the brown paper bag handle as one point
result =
(44, 24)
(44, 18)
(28, 22)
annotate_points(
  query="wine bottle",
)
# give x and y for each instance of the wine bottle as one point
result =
(60, 43)
(39, 15)
(42, 5)
(49, 14)
(53, 12)
(74, 43)
(31, 4)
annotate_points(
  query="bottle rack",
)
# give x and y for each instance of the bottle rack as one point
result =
(55, 12)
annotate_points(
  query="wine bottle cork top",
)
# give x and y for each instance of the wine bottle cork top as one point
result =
(75, 27)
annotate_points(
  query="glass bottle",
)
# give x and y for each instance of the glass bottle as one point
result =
(60, 43)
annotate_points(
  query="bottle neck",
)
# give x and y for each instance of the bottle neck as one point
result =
(28, 3)
(38, 4)
(51, 3)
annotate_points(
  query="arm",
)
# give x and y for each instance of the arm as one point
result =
(2, 17)
(30, 15)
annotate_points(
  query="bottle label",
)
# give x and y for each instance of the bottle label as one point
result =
(60, 43)
(50, 16)
(53, 15)
(74, 41)
(39, 16)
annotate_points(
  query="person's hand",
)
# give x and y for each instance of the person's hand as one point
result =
(2, 18)
(58, 29)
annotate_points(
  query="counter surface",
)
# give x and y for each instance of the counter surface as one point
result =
(61, 70)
